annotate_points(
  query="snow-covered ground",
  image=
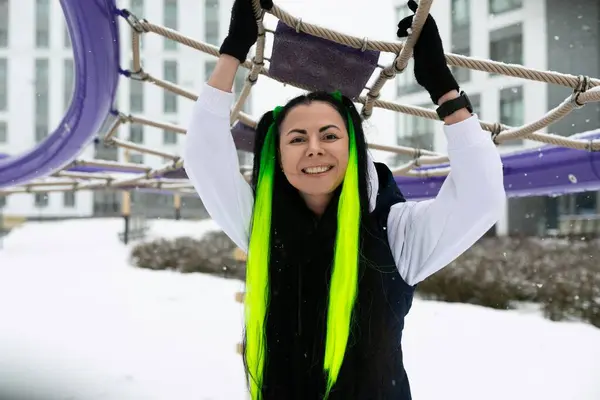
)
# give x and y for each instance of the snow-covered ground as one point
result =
(77, 322)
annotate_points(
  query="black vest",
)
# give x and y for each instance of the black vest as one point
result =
(301, 257)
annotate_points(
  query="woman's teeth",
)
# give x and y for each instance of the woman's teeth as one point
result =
(317, 170)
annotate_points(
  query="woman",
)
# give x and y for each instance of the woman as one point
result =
(334, 250)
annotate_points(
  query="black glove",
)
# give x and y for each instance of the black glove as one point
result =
(431, 69)
(243, 29)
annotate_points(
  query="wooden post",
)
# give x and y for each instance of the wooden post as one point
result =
(239, 255)
(126, 206)
(1, 226)
(239, 298)
(177, 204)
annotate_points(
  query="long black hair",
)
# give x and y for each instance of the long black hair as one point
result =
(300, 264)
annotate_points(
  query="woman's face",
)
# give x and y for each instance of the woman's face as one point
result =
(314, 150)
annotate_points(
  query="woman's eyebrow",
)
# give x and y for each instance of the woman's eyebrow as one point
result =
(323, 129)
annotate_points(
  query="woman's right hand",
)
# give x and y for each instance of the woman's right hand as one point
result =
(243, 29)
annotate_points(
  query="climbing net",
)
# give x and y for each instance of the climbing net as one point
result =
(165, 178)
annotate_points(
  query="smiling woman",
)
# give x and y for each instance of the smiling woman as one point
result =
(334, 250)
(313, 147)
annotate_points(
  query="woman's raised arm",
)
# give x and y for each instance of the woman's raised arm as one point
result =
(210, 156)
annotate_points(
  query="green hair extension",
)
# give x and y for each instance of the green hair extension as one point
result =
(257, 265)
(344, 278)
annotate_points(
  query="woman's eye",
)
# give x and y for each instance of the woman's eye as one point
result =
(330, 136)
(297, 139)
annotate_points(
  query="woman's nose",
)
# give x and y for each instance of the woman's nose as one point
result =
(314, 147)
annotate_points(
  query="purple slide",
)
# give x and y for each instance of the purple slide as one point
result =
(95, 36)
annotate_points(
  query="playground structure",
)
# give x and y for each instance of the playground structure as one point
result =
(568, 165)
(560, 165)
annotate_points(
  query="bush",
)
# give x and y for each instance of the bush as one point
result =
(213, 254)
(562, 276)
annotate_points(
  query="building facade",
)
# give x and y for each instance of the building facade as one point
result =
(36, 84)
(540, 34)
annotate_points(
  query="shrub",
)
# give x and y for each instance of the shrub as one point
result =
(562, 276)
(213, 254)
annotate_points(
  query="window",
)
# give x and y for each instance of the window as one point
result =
(406, 80)
(586, 203)
(211, 22)
(169, 137)
(420, 131)
(136, 93)
(41, 132)
(512, 111)
(41, 87)
(461, 74)
(209, 67)
(170, 99)
(506, 44)
(40, 200)
(461, 36)
(107, 202)
(69, 73)
(415, 131)
(69, 199)
(239, 81)
(501, 6)
(4, 23)
(460, 13)
(66, 37)
(136, 134)
(238, 85)
(136, 158)
(137, 9)
(3, 132)
(170, 21)
(476, 103)
(42, 23)
(41, 101)
(3, 84)
(102, 151)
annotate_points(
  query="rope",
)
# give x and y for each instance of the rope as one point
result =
(585, 90)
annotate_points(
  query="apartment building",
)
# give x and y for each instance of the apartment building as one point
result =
(541, 34)
(36, 83)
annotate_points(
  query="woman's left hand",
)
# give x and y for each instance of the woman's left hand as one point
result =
(431, 69)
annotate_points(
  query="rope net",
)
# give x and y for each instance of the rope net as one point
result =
(136, 176)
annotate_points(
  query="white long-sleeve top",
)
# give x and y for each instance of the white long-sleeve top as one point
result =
(424, 236)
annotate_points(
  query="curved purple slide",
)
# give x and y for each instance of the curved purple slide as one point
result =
(95, 37)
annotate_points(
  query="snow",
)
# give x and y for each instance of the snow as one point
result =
(78, 322)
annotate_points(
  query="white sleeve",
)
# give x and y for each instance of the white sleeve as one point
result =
(211, 163)
(426, 236)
